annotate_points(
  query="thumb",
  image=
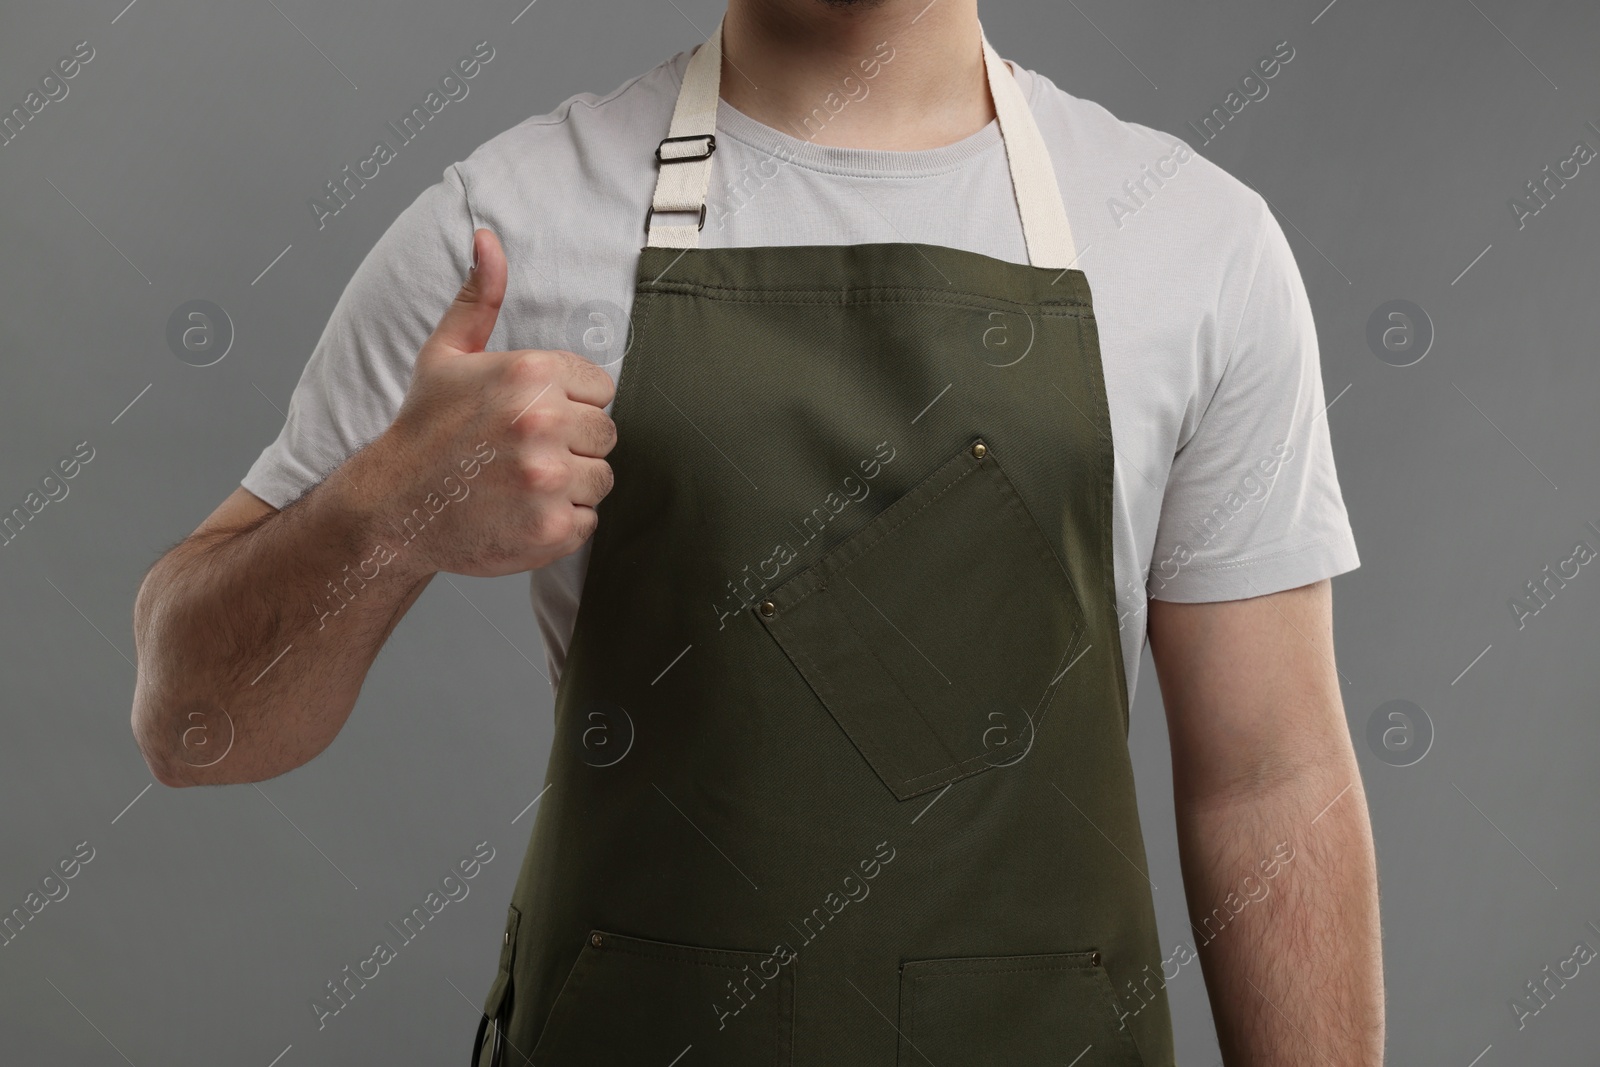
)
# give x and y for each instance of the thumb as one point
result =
(470, 318)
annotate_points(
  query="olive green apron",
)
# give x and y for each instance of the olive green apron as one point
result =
(840, 770)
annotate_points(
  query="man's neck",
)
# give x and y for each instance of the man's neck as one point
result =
(897, 74)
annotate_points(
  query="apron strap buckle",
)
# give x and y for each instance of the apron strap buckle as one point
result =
(711, 146)
(651, 210)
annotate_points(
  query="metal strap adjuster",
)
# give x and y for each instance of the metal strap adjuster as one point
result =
(651, 210)
(711, 146)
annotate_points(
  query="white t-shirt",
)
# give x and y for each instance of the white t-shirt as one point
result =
(1225, 485)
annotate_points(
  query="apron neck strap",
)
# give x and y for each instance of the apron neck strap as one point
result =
(684, 158)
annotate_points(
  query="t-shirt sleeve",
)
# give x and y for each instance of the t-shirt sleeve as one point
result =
(359, 371)
(1252, 503)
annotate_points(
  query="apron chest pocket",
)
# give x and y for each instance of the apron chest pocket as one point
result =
(936, 635)
(1055, 1008)
(628, 1001)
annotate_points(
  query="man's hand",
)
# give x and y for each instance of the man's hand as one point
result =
(542, 413)
(1273, 833)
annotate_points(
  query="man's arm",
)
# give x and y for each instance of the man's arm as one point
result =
(1273, 834)
(255, 634)
(221, 695)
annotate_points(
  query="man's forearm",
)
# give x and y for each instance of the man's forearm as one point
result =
(253, 644)
(1282, 888)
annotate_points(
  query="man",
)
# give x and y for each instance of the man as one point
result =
(865, 594)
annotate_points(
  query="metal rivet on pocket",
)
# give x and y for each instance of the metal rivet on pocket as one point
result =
(768, 609)
(979, 450)
(507, 939)
(1094, 958)
(596, 940)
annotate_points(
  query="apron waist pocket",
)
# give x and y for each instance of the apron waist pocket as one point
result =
(1000, 1011)
(630, 1001)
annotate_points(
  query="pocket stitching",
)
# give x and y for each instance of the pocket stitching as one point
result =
(508, 953)
(820, 580)
(561, 1007)
(956, 762)
(1040, 543)
(1048, 558)
(876, 541)
(566, 998)
(1108, 991)
(816, 579)
(674, 953)
(1072, 963)
(869, 747)
(981, 972)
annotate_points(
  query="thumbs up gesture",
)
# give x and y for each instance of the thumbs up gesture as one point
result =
(542, 413)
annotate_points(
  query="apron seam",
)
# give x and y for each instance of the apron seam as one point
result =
(1079, 968)
(834, 297)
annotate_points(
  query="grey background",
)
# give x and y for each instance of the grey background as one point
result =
(179, 167)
